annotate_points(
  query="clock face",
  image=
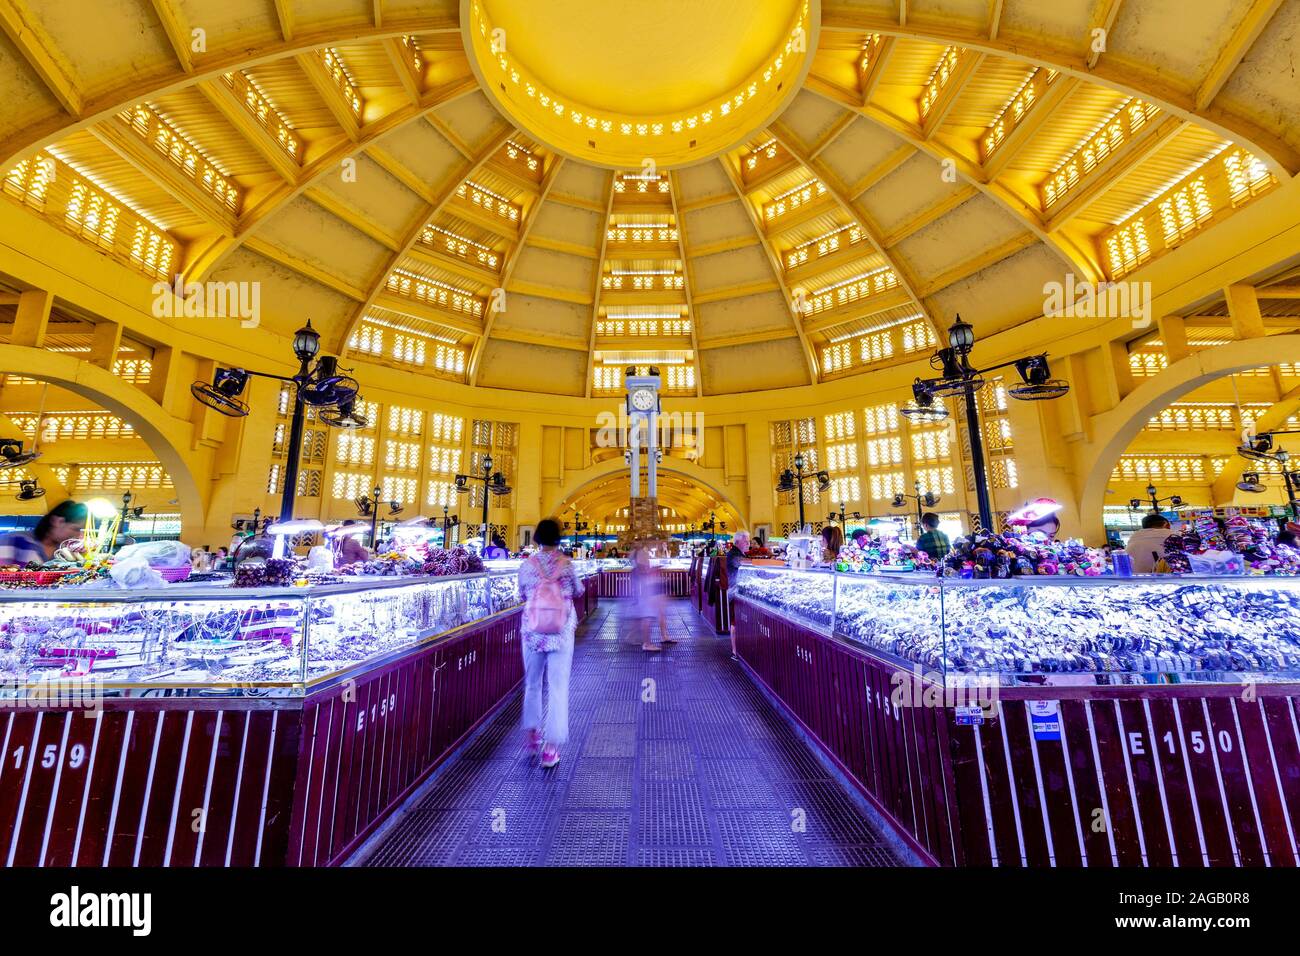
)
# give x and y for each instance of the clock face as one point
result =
(643, 399)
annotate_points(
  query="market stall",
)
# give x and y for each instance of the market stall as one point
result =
(209, 724)
(1046, 719)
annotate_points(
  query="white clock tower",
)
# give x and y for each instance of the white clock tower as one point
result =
(643, 406)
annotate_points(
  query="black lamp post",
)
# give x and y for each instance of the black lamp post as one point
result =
(368, 506)
(579, 526)
(959, 377)
(794, 481)
(1292, 481)
(322, 386)
(447, 525)
(1137, 504)
(927, 499)
(250, 527)
(712, 526)
(843, 515)
(128, 512)
(492, 484)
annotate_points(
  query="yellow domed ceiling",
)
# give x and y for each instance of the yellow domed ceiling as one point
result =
(641, 84)
(360, 162)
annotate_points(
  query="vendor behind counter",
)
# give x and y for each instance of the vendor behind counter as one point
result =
(65, 521)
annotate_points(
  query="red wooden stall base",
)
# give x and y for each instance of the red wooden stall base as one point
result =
(707, 589)
(1141, 775)
(192, 781)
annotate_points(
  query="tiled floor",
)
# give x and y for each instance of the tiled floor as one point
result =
(694, 769)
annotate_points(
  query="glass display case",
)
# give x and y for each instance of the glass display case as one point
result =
(503, 581)
(218, 639)
(1052, 629)
(588, 567)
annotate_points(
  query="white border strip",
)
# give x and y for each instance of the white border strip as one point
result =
(54, 792)
(1011, 787)
(1191, 784)
(176, 793)
(27, 785)
(1101, 785)
(1250, 785)
(117, 787)
(984, 790)
(1132, 790)
(1218, 773)
(207, 787)
(85, 791)
(1277, 779)
(239, 784)
(148, 789)
(1160, 781)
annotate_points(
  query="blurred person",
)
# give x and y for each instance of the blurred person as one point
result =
(860, 537)
(350, 549)
(548, 585)
(641, 608)
(1146, 546)
(61, 523)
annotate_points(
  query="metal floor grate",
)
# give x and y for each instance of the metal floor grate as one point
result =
(708, 774)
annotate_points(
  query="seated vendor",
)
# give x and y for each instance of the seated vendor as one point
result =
(832, 541)
(64, 522)
(497, 549)
(1147, 546)
(1048, 524)
(351, 550)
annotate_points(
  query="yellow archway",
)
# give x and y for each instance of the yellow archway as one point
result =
(165, 436)
(607, 471)
(1114, 430)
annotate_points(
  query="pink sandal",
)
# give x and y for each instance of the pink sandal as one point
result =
(532, 741)
(550, 755)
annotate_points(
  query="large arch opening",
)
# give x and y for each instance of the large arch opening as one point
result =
(1118, 429)
(99, 436)
(686, 497)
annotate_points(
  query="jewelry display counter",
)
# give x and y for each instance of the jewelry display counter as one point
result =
(210, 725)
(1048, 720)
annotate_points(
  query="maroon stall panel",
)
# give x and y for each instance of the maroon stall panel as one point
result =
(1132, 775)
(245, 781)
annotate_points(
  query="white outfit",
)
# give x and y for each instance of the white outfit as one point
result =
(555, 666)
(1142, 543)
(549, 655)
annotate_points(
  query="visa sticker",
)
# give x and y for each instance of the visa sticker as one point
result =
(969, 715)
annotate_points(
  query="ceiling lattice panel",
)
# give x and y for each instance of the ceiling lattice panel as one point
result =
(366, 177)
